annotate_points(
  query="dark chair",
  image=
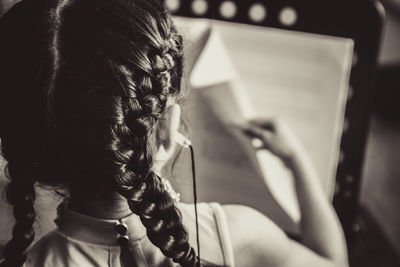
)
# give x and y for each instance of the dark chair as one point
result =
(360, 20)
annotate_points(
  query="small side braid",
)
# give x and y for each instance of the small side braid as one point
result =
(21, 195)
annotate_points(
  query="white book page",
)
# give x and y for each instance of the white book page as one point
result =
(302, 78)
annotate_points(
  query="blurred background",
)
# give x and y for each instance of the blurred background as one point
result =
(380, 187)
(363, 170)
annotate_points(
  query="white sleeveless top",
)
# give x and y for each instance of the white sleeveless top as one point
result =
(81, 240)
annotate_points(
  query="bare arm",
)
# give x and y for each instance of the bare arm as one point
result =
(257, 242)
(323, 238)
(320, 227)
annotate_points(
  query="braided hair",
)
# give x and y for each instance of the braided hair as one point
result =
(88, 114)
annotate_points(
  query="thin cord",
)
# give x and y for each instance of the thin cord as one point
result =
(195, 203)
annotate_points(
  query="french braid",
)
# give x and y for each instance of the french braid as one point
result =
(135, 180)
(134, 137)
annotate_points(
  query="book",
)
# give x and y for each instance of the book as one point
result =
(246, 72)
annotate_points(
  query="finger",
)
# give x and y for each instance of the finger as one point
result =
(257, 143)
(260, 139)
(244, 127)
(253, 131)
(266, 124)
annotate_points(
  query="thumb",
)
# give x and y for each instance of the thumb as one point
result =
(260, 138)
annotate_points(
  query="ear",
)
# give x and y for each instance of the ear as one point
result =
(174, 113)
(173, 118)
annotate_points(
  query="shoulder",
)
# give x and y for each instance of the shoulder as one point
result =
(56, 249)
(215, 243)
(256, 240)
(44, 251)
(243, 234)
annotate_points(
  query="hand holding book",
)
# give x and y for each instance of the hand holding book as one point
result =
(276, 136)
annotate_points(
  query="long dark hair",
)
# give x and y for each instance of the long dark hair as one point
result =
(84, 84)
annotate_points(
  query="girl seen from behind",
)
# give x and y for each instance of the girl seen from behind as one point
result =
(89, 103)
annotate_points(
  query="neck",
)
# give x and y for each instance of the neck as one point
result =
(113, 206)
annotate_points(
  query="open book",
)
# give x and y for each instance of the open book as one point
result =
(247, 71)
